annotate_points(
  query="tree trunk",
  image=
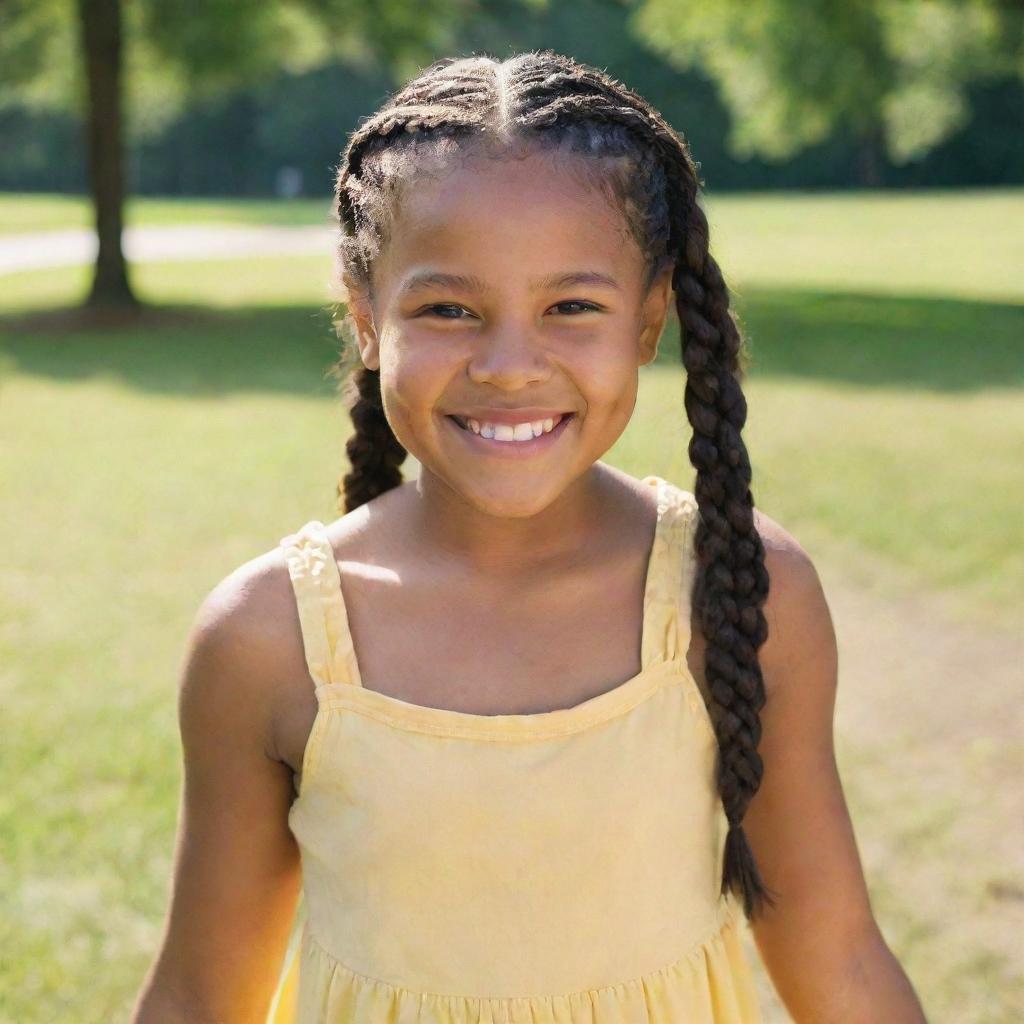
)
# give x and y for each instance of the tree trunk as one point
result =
(100, 27)
(871, 156)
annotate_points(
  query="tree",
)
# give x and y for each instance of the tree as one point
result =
(791, 71)
(166, 51)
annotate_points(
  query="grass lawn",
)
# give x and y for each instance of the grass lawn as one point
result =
(886, 428)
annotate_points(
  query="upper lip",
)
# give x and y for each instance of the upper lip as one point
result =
(528, 414)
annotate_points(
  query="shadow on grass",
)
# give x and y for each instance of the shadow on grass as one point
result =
(867, 341)
(196, 350)
(877, 341)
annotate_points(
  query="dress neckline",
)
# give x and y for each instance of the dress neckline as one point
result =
(351, 694)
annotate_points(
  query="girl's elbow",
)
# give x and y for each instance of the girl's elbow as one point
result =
(875, 987)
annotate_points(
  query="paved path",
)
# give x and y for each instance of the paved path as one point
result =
(43, 249)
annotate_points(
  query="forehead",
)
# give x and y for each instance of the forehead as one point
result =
(524, 215)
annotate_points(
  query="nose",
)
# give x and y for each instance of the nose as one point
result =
(509, 356)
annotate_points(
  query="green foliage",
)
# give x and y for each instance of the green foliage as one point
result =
(36, 39)
(782, 91)
(792, 70)
(939, 47)
(234, 44)
(175, 51)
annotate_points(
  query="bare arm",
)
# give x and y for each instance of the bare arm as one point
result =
(236, 870)
(820, 944)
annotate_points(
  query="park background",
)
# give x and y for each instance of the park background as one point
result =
(165, 411)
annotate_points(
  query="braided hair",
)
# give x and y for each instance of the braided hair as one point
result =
(543, 100)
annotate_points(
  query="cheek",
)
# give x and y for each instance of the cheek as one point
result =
(413, 380)
(608, 378)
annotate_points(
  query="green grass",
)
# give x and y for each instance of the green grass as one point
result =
(886, 423)
(947, 244)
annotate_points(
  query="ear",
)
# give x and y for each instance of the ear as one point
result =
(361, 311)
(654, 312)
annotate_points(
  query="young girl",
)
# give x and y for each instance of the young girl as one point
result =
(554, 738)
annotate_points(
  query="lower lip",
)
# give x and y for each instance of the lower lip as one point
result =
(512, 449)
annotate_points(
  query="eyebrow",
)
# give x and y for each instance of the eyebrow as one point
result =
(469, 283)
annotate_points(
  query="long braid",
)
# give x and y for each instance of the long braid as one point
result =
(732, 581)
(545, 100)
(374, 452)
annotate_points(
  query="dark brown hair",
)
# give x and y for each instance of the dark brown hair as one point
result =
(544, 100)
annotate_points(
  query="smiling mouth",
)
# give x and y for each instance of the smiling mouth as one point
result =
(559, 421)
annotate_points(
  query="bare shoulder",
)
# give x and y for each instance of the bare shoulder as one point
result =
(244, 649)
(800, 627)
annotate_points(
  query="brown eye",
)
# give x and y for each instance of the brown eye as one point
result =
(446, 305)
(587, 307)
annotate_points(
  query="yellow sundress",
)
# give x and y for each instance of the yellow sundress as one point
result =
(561, 867)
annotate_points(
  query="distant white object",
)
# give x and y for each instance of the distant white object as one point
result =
(172, 242)
(288, 183)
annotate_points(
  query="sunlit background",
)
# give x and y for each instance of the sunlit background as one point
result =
(165, 411)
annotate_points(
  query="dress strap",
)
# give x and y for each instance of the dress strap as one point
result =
(671, 572)
(316, 580)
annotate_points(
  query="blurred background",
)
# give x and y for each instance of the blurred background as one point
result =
(166, 412)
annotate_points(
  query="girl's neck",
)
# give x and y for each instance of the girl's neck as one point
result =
(445, 525)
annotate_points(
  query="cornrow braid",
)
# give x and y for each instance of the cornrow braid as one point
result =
(544, 100)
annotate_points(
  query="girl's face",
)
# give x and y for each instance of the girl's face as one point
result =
(508, 294)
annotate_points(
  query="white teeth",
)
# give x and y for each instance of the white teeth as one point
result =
(510, 432)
